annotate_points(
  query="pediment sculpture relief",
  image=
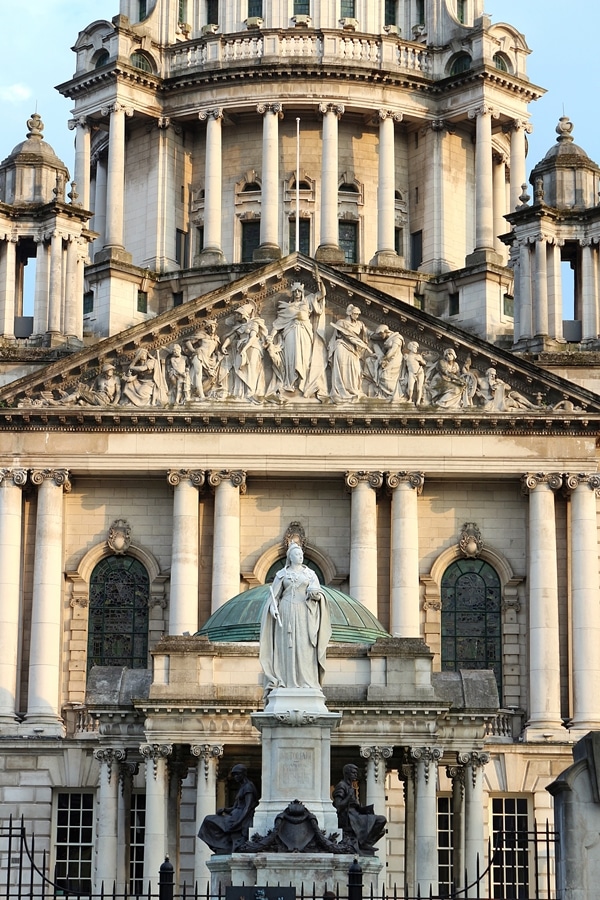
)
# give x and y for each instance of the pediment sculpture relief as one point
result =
(299, 347)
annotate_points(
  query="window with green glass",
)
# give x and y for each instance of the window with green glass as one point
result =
(250, 239)
(302, 7)
(212, 12)
(347, 9)
(461, 11)
(420, 11)
(141, 61)
(74, 842)
(255, 9)
(118, 613)
(348, 232)
(304, 242)
(471, 618)
(142, 9)
(390, 12)
(182, 11)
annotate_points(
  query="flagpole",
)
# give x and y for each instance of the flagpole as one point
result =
(297, 185)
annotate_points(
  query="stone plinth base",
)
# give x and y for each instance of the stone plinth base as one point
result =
(388, 259)
(296, 731)
(330, 253)
(324, 870)
(210, 257)
(484, 256)
(113, 254)
(266, 253)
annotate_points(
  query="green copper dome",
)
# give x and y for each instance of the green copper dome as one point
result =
(239, 618)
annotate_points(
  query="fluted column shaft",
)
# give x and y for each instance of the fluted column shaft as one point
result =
(330, 176)
(106, 866)
(484, 200)
(405, 620)
(157, 786)
(585, 600)
(544, 647)
(82, 158)
(206, 803)
(269, 216)
(474, 833)
(115, 186)
(46, 632)
(363, 536)
(11, 485)
(426, 874)
(213, 181)
(8, 271)
(226, 547)
(183, 607)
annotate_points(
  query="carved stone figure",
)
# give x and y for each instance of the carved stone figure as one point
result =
(205, 362)
(449, 386)
(360, 825)
(347, 349)
(244, 348)
(296, 331)
(178, 377)
(144, 383)
(414, 364)
(105, 391)
(388, 361)
(496, 394)
(229, 827)
(295, 628)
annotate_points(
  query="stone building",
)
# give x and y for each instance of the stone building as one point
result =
(300, 291)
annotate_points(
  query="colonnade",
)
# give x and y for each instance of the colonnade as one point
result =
(43, 709)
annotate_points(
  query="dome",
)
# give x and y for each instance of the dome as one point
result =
(239, 618)
(566, 178)
(33, 173)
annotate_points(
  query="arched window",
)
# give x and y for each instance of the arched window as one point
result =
(471, 618)
(141, 61)
(461, 64)
(118, 613)
(280, 563)
(101, 59)
(500, 62)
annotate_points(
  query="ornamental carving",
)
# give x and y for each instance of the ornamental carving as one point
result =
(469, 542)
(119, 537)
(206, 753)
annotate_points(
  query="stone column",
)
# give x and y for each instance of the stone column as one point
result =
(457, 774)
(405, 618)
(106, 867)
(115, 185)
(56, 284)
(12, 482)
(386, 190)
(269, 210)
(183, 608)
(81, 127)
(73, 326)
(499, 186)
(426, 868)
(585, 601)
(589, 292)
(376, 774)
(407, 775)
(8, 275)
(540, 288)
(484, 198)
(329, 248)
(525, 299)
(99, 221)
(363, 536)
(555, 300)
(228, 486)
(40, 299)
(45, 655)
(518, 171)
(213, 188)
(544, 647)
(208, 756)
(474, 833)
(157, 787)
(127, 772)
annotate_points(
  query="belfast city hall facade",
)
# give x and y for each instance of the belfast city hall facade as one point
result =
(299, 284)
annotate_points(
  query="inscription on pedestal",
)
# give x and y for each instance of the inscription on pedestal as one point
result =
(296, 770)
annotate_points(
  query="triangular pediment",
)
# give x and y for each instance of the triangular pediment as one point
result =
(300, 346)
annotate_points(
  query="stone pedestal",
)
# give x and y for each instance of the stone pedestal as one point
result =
(323, 870)
(296, 731)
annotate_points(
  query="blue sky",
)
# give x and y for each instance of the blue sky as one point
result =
(35, 56)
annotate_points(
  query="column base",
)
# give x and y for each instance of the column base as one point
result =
(210, 257)
(113, 254)
(484, 256)
(330, 253)
(266, 253)
(546, 734)
(42, 727)
(388, 259)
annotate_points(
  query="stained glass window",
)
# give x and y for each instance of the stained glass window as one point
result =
(471, 618)
(118, 617)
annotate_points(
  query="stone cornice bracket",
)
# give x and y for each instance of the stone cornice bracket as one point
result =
(484, 110)
(196, 477)
(377, 754)
(79, 122)
(474, 761)
(573, 481)
(119, 537)
(155, 752)
(373, 479)
(216, 113)
(440, 125)
(383, 114)
(117, 107)
(204, 753)
(530, 481)
(426, 755)
(17, 476)
(60, 477)
(457, 776)
(336, 108)
(236, 477)
(415, 480)
(275, 108)
(109, 755)
(127, 771)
